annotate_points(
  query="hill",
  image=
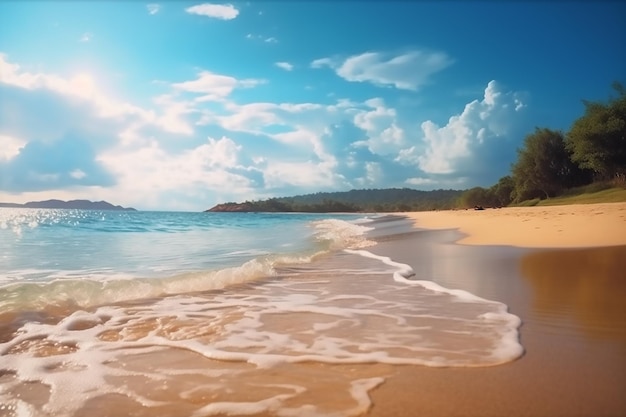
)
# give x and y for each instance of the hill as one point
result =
(366, 200)
(72, 204)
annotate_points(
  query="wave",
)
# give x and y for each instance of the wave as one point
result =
(94, 288)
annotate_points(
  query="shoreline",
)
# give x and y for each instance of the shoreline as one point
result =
(567, 226)
(573, 331)
(566, 285)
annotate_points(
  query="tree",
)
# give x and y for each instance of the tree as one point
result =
(544, 168)
(597, 140)
(477, 196)
(503, 191)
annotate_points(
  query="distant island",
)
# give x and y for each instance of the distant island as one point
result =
(73, 204)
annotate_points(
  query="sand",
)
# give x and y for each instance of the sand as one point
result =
(561, 270)
(578, 225)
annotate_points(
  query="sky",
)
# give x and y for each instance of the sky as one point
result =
(181, 105)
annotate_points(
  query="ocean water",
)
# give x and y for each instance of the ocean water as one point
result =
(106, 313)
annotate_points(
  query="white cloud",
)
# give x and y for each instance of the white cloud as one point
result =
(153, 8)
(10, 147)
(78, 174)
(82, 86)
(203, 169)
(380, 124)
(419, 181)
(460, 145)
(217, 11)
(173, 115)
(304, 175)
(265, 39)
(215, 87)
(284, 65)
(408, 71)
(322, 62)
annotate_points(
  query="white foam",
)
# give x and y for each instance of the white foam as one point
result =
(251, 337)
(342, 234)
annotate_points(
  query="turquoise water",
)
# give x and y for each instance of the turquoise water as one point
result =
(200, 314)
(42, 244)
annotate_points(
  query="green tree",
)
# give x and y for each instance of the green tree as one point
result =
(543, 168)
(477, 196)
(597, 140)
(503, 191)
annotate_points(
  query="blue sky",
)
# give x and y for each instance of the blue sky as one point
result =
(181, 105)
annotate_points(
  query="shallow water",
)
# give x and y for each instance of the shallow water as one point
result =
(307, 320)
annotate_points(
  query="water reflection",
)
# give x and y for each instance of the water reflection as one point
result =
(584, 289)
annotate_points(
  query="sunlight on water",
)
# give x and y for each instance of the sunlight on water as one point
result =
(196, 314)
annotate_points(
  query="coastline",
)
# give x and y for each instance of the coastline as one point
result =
(566, 285)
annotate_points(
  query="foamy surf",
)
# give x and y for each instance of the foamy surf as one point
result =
(301, 334)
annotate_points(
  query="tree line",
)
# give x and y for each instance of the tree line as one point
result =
(551, 162)
(365, 200)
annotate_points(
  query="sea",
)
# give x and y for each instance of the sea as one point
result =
(119, 313)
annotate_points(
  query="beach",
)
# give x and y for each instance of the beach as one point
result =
(386, 315)
(567, 226)
(561, 270)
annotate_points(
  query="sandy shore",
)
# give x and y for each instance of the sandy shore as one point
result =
(561, 270)
(579, 225)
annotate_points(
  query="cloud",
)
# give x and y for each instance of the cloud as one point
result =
(215, 87)
(153, 8)
(262, 38)
(10, 147)
(384, 134)
(70, 161)
(194, 175)
(217, 11)
(407, 71)
(323, 62)
(477, 143)
(284, 65)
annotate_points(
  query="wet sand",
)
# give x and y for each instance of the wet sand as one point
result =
(571, 302)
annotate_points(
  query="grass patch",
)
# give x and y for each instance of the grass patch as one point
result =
(528, 203)
(609, 195)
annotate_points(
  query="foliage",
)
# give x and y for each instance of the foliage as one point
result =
(544, 167)
(611, 195)
(597, 140)
(371, 200)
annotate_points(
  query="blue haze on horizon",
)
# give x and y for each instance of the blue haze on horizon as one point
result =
(181, 105)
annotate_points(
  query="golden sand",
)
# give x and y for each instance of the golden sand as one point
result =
(568, 226)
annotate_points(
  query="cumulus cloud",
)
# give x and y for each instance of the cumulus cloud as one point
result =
(407, 71)
(10, 146)
(384, 134)
(217, 11)
(70, 161)
(284, 65)
(475, 142)
(194, 174)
